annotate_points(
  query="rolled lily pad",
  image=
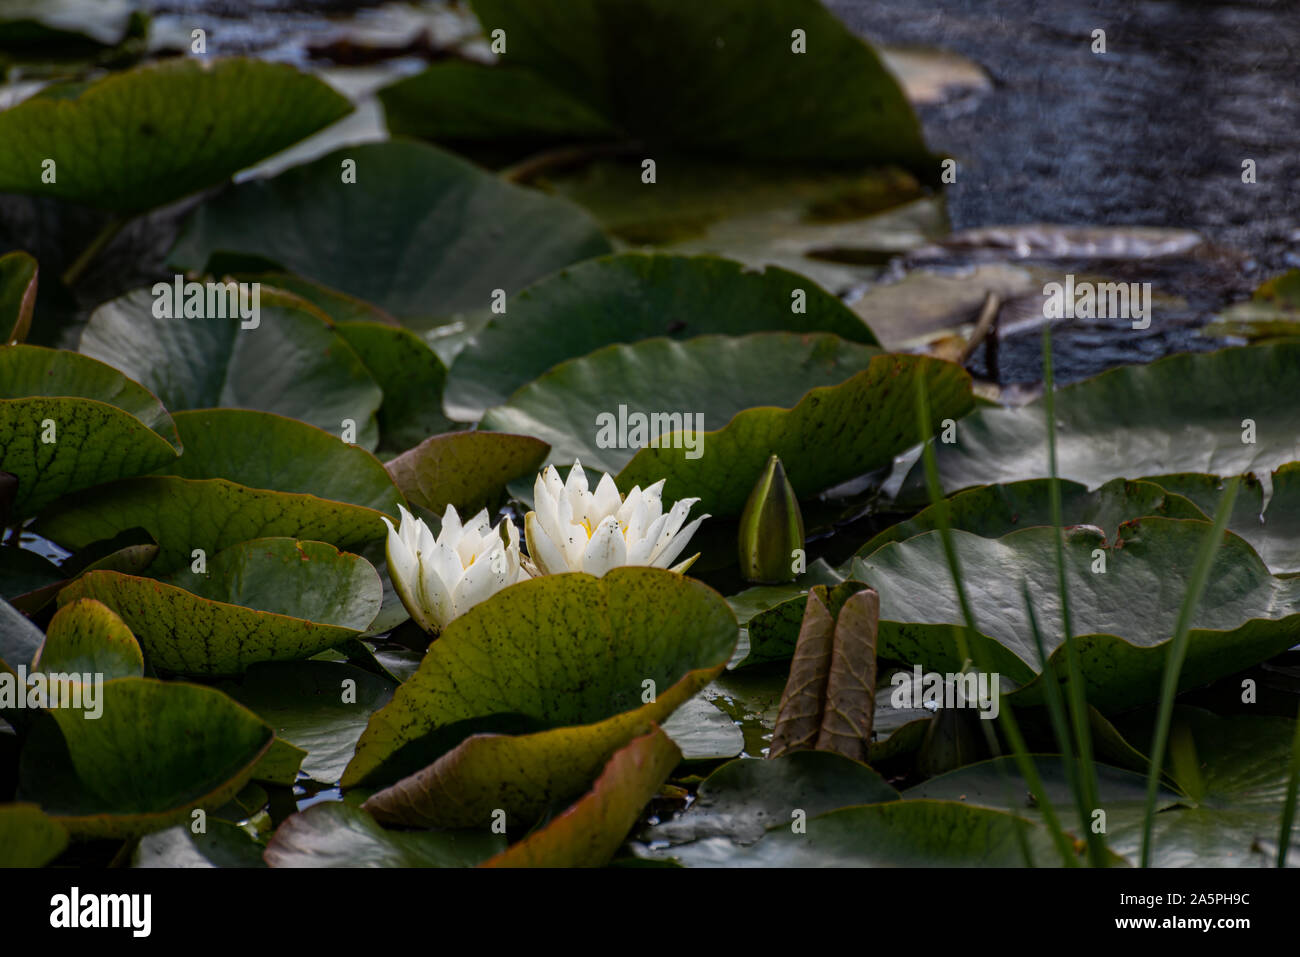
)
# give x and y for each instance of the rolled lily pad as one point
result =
(270, 599)
(993, 510)
(319, 706)
(919, 833)
(412, 377)
(419, 233)
(689, 78)
(590, 832)
(18, 273)
(832, 434)
(745, 799)
(773, 633)
(293, 480)
(338, 835)
(1273, 531)
(1123, 617)
(469, 470)
(144, 137)
(157, 751)
(28, 838)
(87, 637)
(592, 662)
(566, 315)
(68, 422)
(292, 362)
(1184, 413)
(715, 377)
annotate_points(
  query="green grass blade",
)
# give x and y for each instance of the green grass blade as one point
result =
(1006, 716)
(1097, 855)
(1178, 651)
(1288, 809)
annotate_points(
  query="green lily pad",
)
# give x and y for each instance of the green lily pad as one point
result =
(178, 512)
(773, 633)
(566, 315)
(702, 732)
(19, 638)
(28, 838)
(223, 844)
(270, 599)
(87, 637)
(572, 659)
(338, 835)
(145, 137)
(267, 451)
(716, 377)
(1121, 795)
(311, 705)
(420, 233)
(745, 799)
(469, 470)
(339, 306)
(836, 226)
(292, 363)
(748, 603)
(23, 571)
(157, 751)
(266, 475)
(131, 552)
(1123, 617)
(836, 103)
(1272, 312)
(832, 434)
(460, 102)
(18, 273)
(1236, 792)
(590, 832)
(1273, 531)
(102, 425)
(281, 764)
(412, 377)
(993, 510)
(918, 833)
(65, 24)
(1184, 413)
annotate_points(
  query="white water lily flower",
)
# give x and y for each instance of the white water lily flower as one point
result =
(440, 579)
(574, 530)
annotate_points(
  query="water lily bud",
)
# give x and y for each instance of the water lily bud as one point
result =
(771, 528)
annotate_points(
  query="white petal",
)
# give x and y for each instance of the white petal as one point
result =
(675, 518)
(606, 501)
(577, 481)
(482, 580)
(404, 570)
(665, 556)
(451, 527)
(543, 552)
(435, 595)
(606, 549)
